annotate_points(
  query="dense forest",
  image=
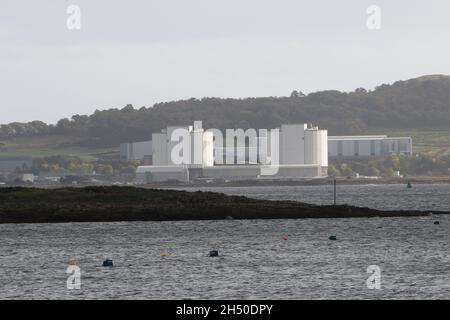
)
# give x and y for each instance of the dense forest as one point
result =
(417, 103)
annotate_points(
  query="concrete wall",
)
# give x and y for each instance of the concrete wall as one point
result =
(243, 172)
(316, 147)
(208, 149)
(292, 144)
(402, 146)
(171, 152)
(323, 153)
(147, 174)
(159, 149)
(136, 150)
(191, 146)
(298, 145)
(247, 172)
(298, 172)
(368, 146)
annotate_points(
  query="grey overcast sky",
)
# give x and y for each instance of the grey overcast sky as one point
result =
(143, 52)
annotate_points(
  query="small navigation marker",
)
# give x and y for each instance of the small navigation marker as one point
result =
(333, 238)
(436, 222)
(285, 237)
(108, 263)
(409, 185)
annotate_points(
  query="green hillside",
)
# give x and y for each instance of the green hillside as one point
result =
(418, 107)
(51, 145)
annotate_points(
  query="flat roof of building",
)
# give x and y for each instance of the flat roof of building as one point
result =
(364, 138)
(357, 137)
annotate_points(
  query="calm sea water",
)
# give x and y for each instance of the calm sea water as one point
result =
(379, 196)
(255, 261)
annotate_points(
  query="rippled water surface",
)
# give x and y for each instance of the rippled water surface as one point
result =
(379, 196)
(255, 261)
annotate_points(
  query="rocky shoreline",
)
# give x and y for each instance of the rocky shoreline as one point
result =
(108, 204)
(306, 182)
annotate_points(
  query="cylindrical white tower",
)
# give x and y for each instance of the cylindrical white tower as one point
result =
(316, 147)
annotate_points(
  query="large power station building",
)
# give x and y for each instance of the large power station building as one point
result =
(198, 151)
(293, 151)
(184, 153)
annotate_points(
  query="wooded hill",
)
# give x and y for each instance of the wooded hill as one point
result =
(417, 103)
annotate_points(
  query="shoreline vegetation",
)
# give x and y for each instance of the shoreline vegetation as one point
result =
(114, 204)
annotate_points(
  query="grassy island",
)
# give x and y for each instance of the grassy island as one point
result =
(102, 204)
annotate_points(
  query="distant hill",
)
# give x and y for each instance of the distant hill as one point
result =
(417, 103)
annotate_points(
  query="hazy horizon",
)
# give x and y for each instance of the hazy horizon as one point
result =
(144, 52)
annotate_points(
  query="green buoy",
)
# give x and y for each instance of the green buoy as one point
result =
(409, 185)
(332, 238)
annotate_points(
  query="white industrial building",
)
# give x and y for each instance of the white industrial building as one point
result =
(176, 152)
(368, 146)
(301, 152)
(198, 148)
(145, 174)
(301, 144)
(251, 172)
(184, 153)
(136, 150)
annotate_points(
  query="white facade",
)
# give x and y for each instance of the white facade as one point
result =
(300, 144)
(172, 145)
(292, 144)
(183, 145)
(251, 172)
(368, 146)
(208, 149)
(27, 177)
(159, 149)
(302, 153)
(316, 147)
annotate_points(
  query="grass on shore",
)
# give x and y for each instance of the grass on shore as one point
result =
(54, 145)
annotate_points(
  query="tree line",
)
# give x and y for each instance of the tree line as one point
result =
(418, 103)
